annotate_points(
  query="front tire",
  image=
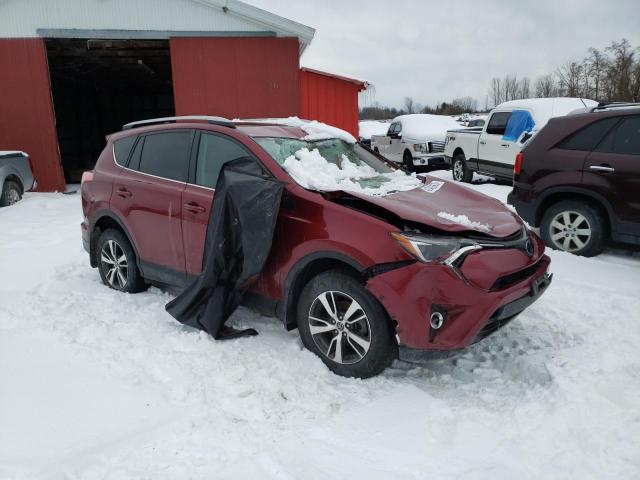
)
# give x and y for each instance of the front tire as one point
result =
(345, 326)
(407, 159)
(117, 263)
(11, 193)
(459, 169)
(574, 227)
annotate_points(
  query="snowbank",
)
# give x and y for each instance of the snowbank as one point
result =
(311, 170)
(315, 130)
(420, 126)
(367, 128)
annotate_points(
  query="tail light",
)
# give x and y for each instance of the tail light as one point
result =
(518, 165)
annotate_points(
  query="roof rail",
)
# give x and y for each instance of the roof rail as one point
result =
(608, 105)
(224, 122)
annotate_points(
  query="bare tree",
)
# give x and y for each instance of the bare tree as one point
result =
(545, 87)
(620, 71)
(596, 66)
(496, 91)
(409, 105)
(570, 79)
(524, 88)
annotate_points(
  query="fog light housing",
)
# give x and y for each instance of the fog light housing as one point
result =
(436, 320)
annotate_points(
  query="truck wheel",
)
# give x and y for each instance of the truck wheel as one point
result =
(11, 194)
(117, 263)
(459, 169)
(345, 326)
(407, 159)
(574, 227)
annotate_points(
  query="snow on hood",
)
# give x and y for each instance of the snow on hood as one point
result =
(422, 126)
(466, 209)
(367, 128)
(315, 130)
(465, 222)
(311, 170)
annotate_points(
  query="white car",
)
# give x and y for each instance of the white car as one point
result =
(492, 149)
(415, 140)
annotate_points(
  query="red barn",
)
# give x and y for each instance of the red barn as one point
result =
(77, 71)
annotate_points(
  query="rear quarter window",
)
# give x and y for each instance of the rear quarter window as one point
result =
(587, 138)
(122, 149)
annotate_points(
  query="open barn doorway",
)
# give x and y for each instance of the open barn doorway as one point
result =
(99, 85)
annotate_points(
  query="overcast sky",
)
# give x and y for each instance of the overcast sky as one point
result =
(438, 50)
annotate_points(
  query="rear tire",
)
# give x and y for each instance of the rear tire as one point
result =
(117, 263)
(353, 337)
(11, 193)
(459, 169)
(407, 159)
(574, 227)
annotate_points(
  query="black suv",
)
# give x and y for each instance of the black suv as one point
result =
(578, 179)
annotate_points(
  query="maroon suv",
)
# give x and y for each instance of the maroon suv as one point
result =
(362, 277)
(578, 179)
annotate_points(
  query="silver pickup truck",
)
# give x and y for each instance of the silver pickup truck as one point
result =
(16, 177)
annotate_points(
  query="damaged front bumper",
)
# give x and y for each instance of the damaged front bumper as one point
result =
(467, 306)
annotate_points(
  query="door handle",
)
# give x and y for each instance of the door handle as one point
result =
(505, 145)
(123, 192)
(194, 207)
(482, 142)
(602, 168)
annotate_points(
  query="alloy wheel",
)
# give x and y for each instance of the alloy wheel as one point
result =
(339, 327)
(458, 170)
(570, 231)
(114, 264)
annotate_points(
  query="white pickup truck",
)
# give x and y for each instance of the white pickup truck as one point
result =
(415, 140)
(492, 149)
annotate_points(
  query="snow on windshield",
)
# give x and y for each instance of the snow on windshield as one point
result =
(311, 170)
(465, 221)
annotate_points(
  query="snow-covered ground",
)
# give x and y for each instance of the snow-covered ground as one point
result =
(98, 384)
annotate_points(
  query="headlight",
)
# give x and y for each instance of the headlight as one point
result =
(420, 147)
(428, 249)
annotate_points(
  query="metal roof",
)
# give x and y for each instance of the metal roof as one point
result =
(144, 19)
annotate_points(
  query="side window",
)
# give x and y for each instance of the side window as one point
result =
(625, 139)
(213, 152)
(588, 137)
(122, 149)
(166, 154)
(498, 123)
(393, 128)
(520, 121)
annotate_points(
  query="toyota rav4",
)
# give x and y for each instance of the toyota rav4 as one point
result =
(364, 278)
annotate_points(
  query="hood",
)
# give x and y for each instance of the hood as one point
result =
(448, 207)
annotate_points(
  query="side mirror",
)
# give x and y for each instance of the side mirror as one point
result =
(526, 136)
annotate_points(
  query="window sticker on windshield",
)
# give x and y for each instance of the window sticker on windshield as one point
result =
(432, 187)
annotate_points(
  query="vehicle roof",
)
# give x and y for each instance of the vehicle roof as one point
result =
(252, 129)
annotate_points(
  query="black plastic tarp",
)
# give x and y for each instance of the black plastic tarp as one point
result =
(238, 241)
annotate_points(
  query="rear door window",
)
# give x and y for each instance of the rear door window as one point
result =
(166, 154)
(624, 140)
(498, 123)
(213, 152)
(588, 137)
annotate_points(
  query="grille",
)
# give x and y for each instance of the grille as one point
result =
(512, 278)
(436, 147)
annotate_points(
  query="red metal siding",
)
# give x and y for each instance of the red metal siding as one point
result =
(236, 77)
(329, 100)
(26, 110)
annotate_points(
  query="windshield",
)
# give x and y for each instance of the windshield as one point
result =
(334, 164)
